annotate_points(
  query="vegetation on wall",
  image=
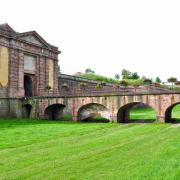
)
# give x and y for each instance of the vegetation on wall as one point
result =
(131, 79)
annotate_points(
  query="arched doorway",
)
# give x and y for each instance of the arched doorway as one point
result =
(27, 86)
(136, 112)
(93, 112)
(27, 110)
(172, 114)
(54, 112)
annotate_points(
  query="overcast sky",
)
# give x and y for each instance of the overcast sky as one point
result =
(104, 35)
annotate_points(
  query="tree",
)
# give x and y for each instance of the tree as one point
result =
(117, 76)
(88, 70)
(172, 80)
(125, 74)
(135, 75)
(158, 80)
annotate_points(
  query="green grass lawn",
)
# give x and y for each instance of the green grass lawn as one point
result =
(176, 112)
(149, 113)
(67, 150)
(142, 113)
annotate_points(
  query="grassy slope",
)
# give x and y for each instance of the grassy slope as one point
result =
(65, 150)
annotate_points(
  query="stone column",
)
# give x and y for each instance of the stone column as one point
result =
(20, 92)
(42, 76)
(113, 119)
(13, 72)
(160, 118)
(55, 89)
(74, 118)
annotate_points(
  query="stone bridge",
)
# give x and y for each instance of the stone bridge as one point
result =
(113, 107)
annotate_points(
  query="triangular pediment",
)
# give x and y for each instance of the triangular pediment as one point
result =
(33, 38)
(6, 27)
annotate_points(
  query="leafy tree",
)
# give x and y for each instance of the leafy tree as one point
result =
(135, 75)
(117, 76)
(88, 70)
(158, 80)
(172, 80)
(126, 74)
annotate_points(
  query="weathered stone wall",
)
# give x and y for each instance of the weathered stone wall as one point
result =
(11, 108)
(15, 48)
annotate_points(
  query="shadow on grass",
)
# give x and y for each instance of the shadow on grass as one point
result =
(11, 123)
(174, 120)
(96, 119)
(141, 121)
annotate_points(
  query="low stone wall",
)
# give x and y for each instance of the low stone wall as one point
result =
(3, 91)
(11, 108)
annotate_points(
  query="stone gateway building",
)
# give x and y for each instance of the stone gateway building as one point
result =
(28, 67)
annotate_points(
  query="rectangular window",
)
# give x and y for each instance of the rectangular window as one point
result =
(29, 63)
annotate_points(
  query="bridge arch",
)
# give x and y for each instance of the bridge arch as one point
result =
(89, 113)
(168, 114)
(123, 115)
(54, 111)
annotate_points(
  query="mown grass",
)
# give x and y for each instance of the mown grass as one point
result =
(142, 113)
(149, 113)
(31, 149)
(176, 111)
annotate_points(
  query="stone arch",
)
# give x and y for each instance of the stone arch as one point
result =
(27, 110)
(123, 115)
(89, 111)
(168, 114)
(54, 111)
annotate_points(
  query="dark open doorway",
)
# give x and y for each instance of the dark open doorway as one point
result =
(27, 110)
(27, 86)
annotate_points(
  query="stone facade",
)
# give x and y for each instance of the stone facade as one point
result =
(26, 59)
(27, 54)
